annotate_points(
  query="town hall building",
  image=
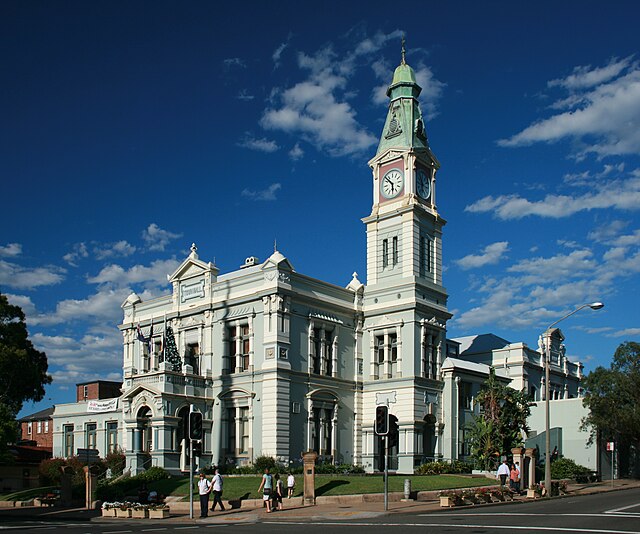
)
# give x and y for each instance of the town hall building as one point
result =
(279, 362)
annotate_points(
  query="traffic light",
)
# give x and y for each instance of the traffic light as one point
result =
(197, 448)
(195, 425)
(393, 431)
(382, 420)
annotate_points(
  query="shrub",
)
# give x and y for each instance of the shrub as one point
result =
(115, 461)
(51, 470)
(567, 468)
(153, 473)
(265, 462)
(443, 468)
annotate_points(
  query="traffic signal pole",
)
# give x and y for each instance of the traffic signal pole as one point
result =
(190, 466)
(386, 473)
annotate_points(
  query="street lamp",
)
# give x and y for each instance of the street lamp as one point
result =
(547, 358)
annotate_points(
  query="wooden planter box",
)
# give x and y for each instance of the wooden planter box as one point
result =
(483, 498)
(123, 513)
(139, 514)
(447, 502)
(532, 494)
(108, 512)
(159, 514)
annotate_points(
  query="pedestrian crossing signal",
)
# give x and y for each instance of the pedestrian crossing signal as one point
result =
(382, 420)
(195, 425)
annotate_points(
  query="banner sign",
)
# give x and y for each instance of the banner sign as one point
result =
(99, 406)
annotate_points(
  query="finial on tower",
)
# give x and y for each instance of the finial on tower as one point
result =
(275, 245)
(403, 51)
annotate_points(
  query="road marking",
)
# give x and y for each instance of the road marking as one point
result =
(153, 529)
(458, 525)
(471, 514)
(619, 510)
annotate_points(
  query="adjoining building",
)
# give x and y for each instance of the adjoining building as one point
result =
(279, 362)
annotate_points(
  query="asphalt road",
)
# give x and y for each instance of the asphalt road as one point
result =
(606, 513)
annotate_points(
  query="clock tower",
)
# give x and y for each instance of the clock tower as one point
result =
(404, 302)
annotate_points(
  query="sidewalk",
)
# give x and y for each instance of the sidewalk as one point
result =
(327, 508)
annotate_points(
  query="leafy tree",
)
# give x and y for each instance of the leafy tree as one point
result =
(500, 426)
(23, 369)
(613, 399)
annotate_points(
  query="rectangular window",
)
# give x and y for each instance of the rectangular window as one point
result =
(91, 434)
(244, 430)
(231, 424)
(39, 427)
(239, 348)
(395, 250)
(426, 255)
(29, 428)
(379, 349)
(46, 427)
(67, 432)
(112, 436)
(85, 392)
(385, 253)
(393, 339)
(192, 357)
(465, 396)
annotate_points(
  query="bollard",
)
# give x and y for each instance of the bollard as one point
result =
(407, 489)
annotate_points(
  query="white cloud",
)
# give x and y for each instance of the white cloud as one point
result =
(25, 303)
(296, 152)
(156, 238)
(244, 95)
(120, 248)
(234, 62)
(79, 251)
(318, 108)
(585, 77)
(267, 194)
(261, 145)
(11, 250)
(602, 112)
(277, 53)
(491, 254)
(156, 274)
(16, 276)
(622, 194)
(627, 332)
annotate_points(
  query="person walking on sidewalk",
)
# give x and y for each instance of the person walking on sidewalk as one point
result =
(217, 491)
(278, 491)
(503, 472)
(291, 484)
(267, 485)
(204, 489)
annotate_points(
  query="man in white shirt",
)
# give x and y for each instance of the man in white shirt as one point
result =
(503, 472)
(204, 488)
(217, 491)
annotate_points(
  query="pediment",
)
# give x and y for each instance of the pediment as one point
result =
(191, 268)
(140, 390)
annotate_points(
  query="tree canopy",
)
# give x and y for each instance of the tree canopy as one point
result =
(502, 421)
(23, 369)
(613, 397)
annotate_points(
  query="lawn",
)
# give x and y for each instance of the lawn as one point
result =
(246, 487)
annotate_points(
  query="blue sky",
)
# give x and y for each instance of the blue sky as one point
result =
(131, 129)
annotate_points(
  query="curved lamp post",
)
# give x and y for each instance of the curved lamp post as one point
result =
(547, 358)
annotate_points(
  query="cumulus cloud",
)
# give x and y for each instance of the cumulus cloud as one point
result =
(490, 255)
(25, 303)
(156, 274)
(600, 114)
(78, 252)
(318, 108)
(19, 277)
(120, 248)
(156, 238)
(296, 152)
(232, 62)
(267, 194)
(261, 145)
(11, 250)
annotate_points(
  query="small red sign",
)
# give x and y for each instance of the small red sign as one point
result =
(610, 446)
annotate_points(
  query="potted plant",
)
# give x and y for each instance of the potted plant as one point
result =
(468, 496)
(158, 511)
(139, 511)
(449, 498)
(108, 509)
(483, 495)
(534, 491)
(123, 510)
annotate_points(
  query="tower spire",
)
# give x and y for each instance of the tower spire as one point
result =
(403, 62)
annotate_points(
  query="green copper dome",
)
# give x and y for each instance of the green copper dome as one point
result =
(403, 73)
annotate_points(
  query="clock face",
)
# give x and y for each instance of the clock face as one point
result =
(423, 184)
(391, 183)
